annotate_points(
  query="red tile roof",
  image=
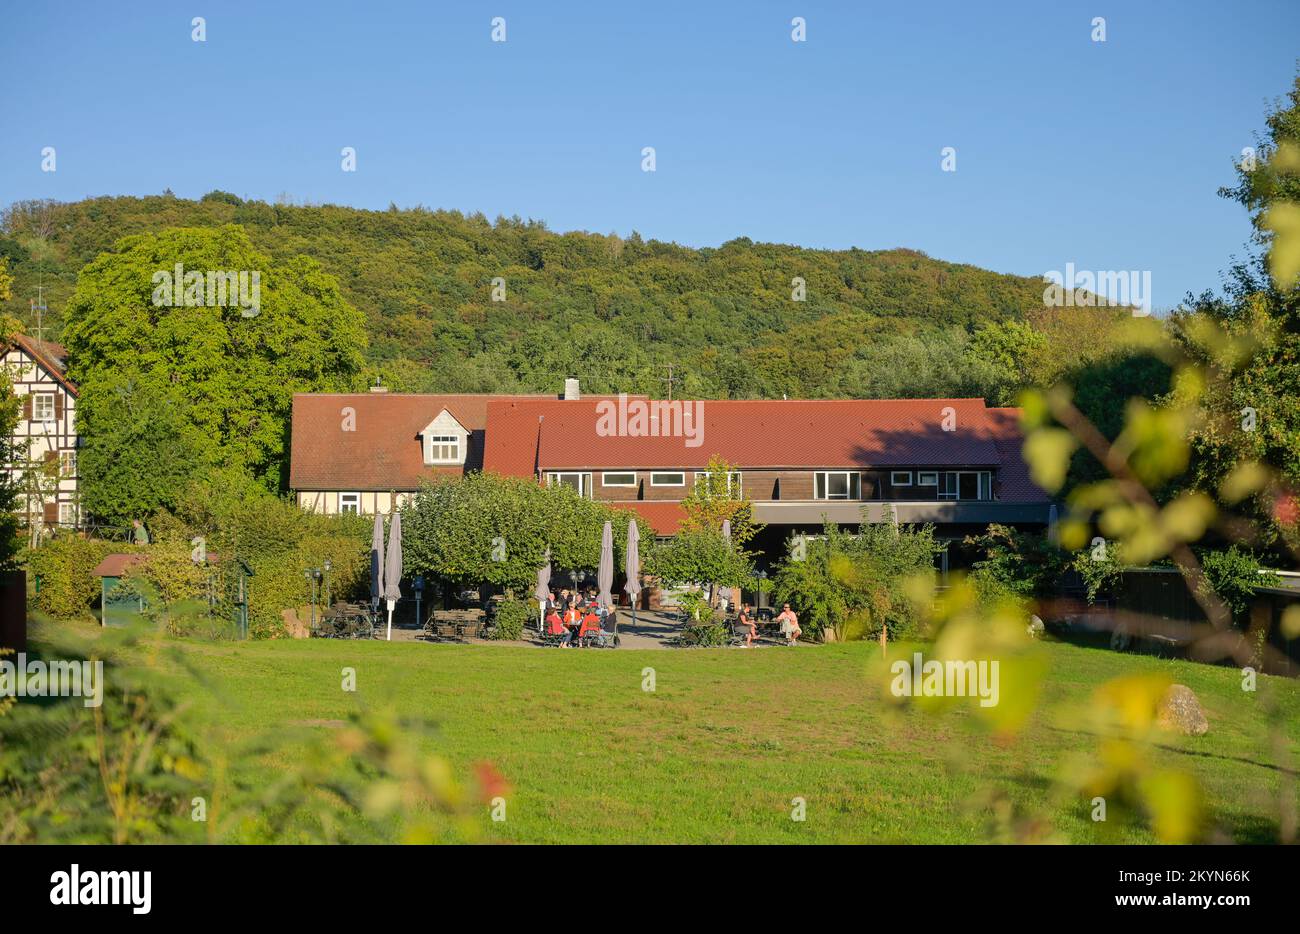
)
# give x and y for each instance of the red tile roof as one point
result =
(662, 518)
(384, 451)
(525, 435)
(554, 434)
(115, 565)
(52, 357)
(1014, 481)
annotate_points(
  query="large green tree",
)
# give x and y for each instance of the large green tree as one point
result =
(172, 381)
(10, 410)
(486, 528)
(1255, 354)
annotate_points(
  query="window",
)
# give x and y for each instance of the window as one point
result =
(67, 463)
(966, 484)
(618, 479)
(43, 407)
(733, 480)
(444, 449)
(581, 482)
(668, 478)
(900, 478)
(68, 515)
(837, 485)
(350, 502)
(927, 478)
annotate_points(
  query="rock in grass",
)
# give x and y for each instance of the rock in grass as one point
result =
(1180, 712)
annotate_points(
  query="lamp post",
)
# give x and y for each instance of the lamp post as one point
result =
(327, 566)
(313, 583)
(762, 576)
(418, 584)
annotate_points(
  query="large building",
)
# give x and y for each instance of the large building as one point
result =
(955, 463)
(46, 434)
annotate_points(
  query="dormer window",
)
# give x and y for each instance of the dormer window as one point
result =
(445, 441)
(444, 449)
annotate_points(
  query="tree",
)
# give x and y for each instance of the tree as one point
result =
(1233, 575)
(1023, 563)
(699, 556)
(226, 356)
(1006, 355)
(486, 528)
(856, 584)
(10, 411)
(718, 496)
(1248, 339)
(143, 454)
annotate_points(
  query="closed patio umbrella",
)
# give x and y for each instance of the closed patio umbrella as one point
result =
(633, 568)
(543, 591)
(724, 593)
(605, 573)
(377, 563)
(393, 568)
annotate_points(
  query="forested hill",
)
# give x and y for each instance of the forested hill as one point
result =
(611, 310)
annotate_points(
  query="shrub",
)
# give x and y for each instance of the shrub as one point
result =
(279, 541)
(695, 607)
(63, 565)
(1100, 571)
(512, 616)
(1022, 563)
(857, 584)
(705, 635)
(1233, 576)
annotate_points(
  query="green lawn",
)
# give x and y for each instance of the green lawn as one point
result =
(729, 737)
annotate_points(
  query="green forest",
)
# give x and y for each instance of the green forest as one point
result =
(611, 310)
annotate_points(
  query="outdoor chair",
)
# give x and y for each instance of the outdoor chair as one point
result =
(740, 633)
(589, 630)
(553, 634)
(605, 636)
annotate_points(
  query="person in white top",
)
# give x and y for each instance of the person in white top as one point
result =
(789, 625)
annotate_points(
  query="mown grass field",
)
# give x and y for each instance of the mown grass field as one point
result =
(728, 738)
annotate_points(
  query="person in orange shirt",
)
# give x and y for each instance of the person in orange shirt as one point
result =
(572, 620)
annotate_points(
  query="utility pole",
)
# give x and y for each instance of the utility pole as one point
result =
(669, 379)
(38, 308)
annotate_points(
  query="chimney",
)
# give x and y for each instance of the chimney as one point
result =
(571, 388)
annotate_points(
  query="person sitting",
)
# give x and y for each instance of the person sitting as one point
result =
(573, 619)
(789, 625)
(590, 625)
(746, 621)
(555, 627)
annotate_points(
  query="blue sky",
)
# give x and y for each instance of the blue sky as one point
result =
(1106, 155)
